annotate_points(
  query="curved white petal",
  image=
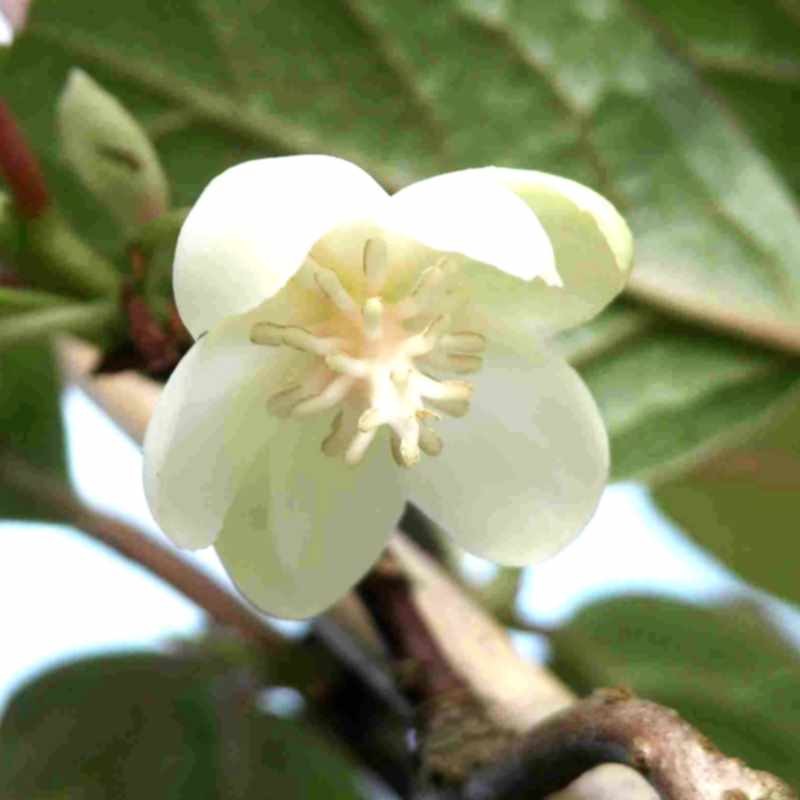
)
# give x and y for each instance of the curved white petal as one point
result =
(521, 474)
(211, 419)
(593, 254)
(303, 527)
(253, 225)
(472, 213)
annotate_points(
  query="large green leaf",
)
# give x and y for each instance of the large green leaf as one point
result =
(30, 418)
(147, 727)
(591, 89)
(725, 669)
(745, 506)
(750, 53)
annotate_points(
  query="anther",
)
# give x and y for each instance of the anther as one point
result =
(425, 292)
(405, 452)
(453, 407)
(376, 265)
(463, 342)
(372, 314)
(332, 443)
(463, 363)
(330, 285)
(332, 394)
(430, 442)
(282, 402)
(270, 333)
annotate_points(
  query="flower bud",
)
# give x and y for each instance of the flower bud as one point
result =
(111, 153)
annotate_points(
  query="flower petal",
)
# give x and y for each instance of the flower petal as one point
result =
(303, 527)
(593, 254)
(253, 225)
(472, 213)
(210, 419)
(522, 473)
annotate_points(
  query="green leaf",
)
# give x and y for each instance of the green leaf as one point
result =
(153, 726)
(30, 415)
(582, 88)
(749, 53)
(744, 507)
(725, 669)
(669, 396)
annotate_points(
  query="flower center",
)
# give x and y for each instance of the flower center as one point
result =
(376, 360)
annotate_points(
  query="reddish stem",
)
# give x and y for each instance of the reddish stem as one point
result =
(20, 167)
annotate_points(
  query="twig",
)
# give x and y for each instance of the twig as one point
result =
(467, 647)
(386, 593)
(20, 167)
(614, 726)
(54, 497)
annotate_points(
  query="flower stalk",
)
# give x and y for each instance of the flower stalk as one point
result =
(20, 168)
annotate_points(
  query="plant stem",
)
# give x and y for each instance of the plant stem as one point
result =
(58, 499)
(87, 319)
(614, 726)
(20, 167)
(14, 299)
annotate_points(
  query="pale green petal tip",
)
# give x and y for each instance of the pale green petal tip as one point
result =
(534, 187)
(110, 152)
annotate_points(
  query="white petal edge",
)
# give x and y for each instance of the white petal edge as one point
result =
(209, 422)
(521, 474)
(593, 249)
(473, 214)
(253, 226)
(303, 527)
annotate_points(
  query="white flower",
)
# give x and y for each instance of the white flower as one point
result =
(355, 350)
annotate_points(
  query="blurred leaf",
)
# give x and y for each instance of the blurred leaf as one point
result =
(593, 89)
(750, 53)
(744, 507)
(30, 417)
(670, 396)
(725, 669)
(151, 727)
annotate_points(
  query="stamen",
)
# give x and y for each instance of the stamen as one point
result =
(424, 341)
(463, 363)
(347, 365)
(376, 265)
(330, 285)
(426, 291)
(463, 342)
(374, 363)
(281, 403)
(332, 444)
(430, 442)
(358, 446)
(330, 396)
(405, 447)
(451, 407)
(372, 314)
(370, 420)
(442, 390)
(270, 333)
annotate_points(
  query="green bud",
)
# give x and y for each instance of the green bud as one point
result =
(111, 153)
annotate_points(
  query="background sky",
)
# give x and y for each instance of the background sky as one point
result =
(64, 595)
